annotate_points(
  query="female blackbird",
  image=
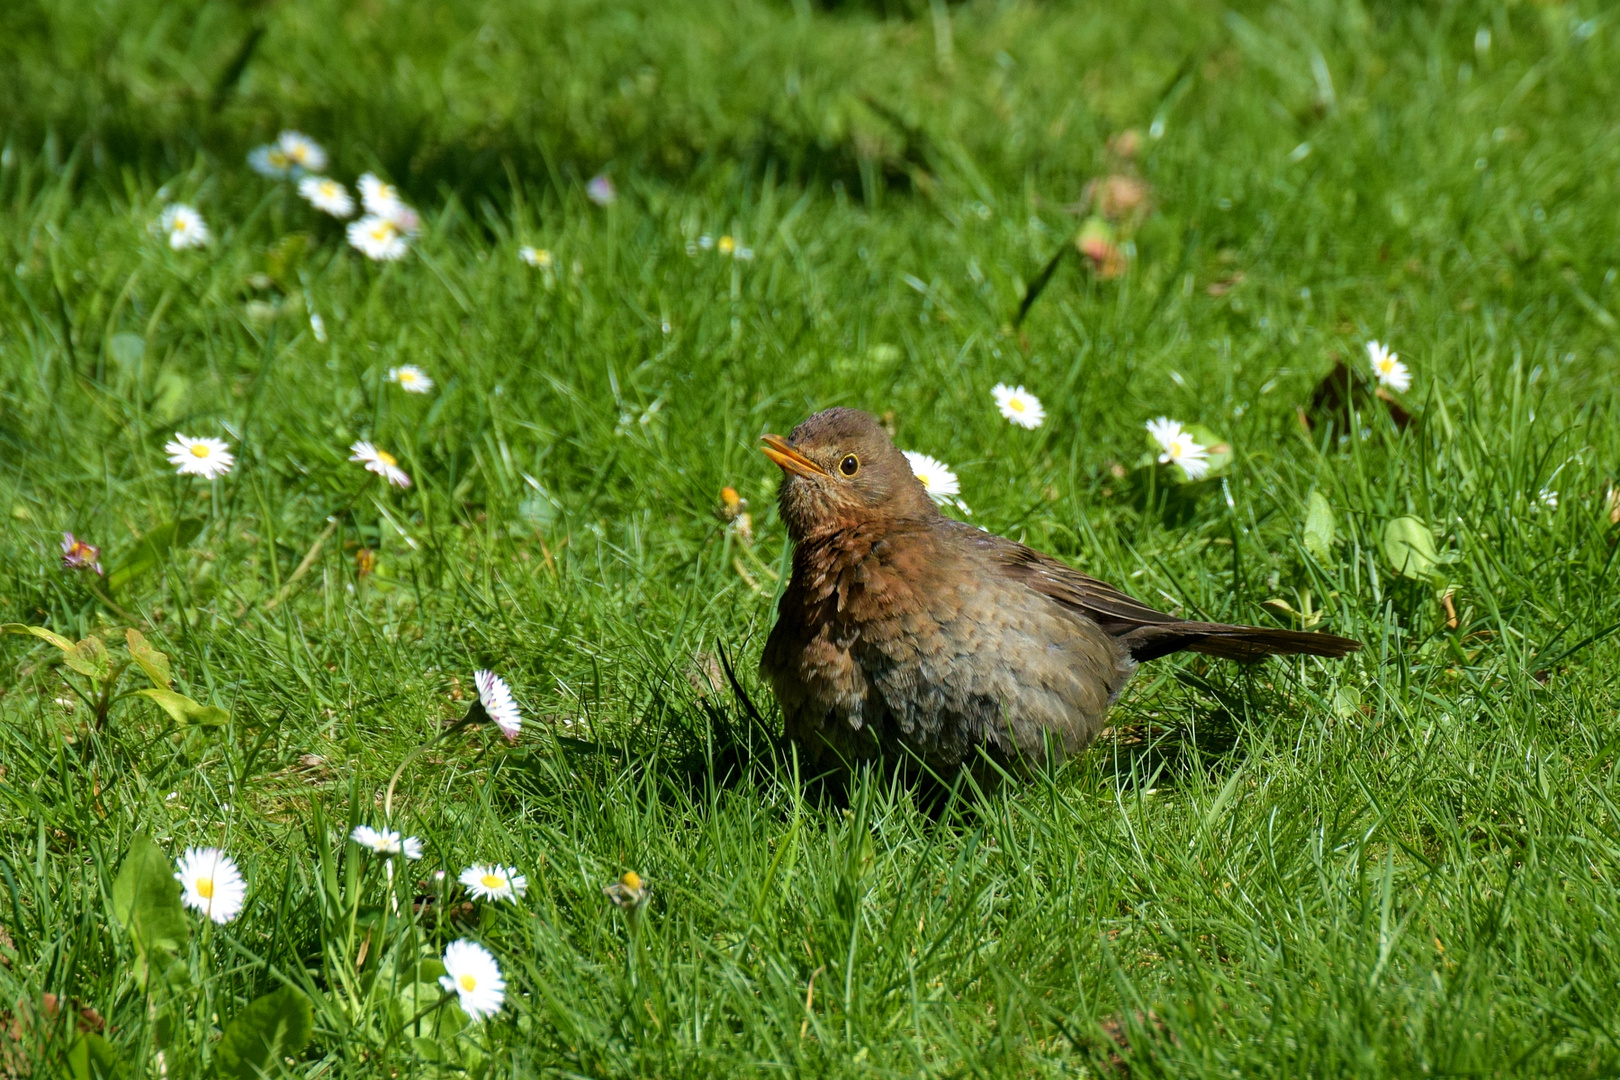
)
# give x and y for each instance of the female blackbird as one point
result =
(904, 631)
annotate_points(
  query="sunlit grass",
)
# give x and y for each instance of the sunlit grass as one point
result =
(1401, 863)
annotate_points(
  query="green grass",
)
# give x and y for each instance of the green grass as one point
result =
(1405, 863)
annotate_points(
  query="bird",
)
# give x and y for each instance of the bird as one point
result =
(907, 634)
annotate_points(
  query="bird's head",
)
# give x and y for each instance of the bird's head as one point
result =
(839, 469)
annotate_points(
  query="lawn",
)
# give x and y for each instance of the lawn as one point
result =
(1402, 863)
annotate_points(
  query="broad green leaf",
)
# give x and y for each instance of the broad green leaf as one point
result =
(146, 899)
(90, 657)
(1409, 547)
(276, 1026)
(152, 550)
(1320, 527)
(91, 1057)
(183, 710)
(1346, 702)
(152, 661)
(40, 632)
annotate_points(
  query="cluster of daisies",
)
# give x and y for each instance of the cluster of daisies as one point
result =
(213, 886)
(1176, 445)
(382, 233)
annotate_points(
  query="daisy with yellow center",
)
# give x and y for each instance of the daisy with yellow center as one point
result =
(411, 379)
(211, 884)
(937, 479)
(1178, 448)
(471, 973)
(1019, 406)
(386, 842)
(377, 238)
(271, 161)
(539, 258)
(183, 226)
(326, 195)
(207, 458)
(301, 151)
(494, 882)
(1387, 368)
(381, 462)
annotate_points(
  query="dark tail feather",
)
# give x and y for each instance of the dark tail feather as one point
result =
(1246, 643)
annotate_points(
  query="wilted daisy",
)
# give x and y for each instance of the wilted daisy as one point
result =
(183, 226)
(377, 238)
(386, 842)
(211, 884)
(410, 378)
(1019, 405)
(78, 555)
(494, 882)
(381, 462)
(382, 200)
(496, 699)
(472, 973)
(301, 151)
(539, 258)
(937, 478)
(1178, 448)
(207, 458)
(1387, 368)
(327, 195)
(600, 190)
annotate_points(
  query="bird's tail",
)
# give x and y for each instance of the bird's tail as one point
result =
(1231, 642)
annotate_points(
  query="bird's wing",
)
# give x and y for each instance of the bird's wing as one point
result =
(1113, 610)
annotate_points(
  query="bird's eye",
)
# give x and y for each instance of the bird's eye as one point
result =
(850, 465)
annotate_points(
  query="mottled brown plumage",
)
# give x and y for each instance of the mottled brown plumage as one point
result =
(905, 632)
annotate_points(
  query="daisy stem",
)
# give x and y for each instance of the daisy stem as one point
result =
(472, 717)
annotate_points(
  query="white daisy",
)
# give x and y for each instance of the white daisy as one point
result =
(1019, 405)
(473, 974)
(1178, 447)
(937, 478)
(327, 195)
(377, 238)
(211, 884)
(271, 161)
(184, 226)
(411, 379)
(381, 462)
(317, 325)
(496, 699)
(600, 190)
(386, 842)
(207, 458)
(539, 258)
(494, 882)
(301, 151)
(1387, 368)
(382, 200)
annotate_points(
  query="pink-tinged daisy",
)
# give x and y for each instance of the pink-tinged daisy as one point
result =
(207, 458)
(600, 190)
(496, 699)
(211, 884)
(78, 555)
(381, 462)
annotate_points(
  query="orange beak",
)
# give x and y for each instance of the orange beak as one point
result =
(790, 460)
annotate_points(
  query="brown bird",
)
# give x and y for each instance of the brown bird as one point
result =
(905, 632)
